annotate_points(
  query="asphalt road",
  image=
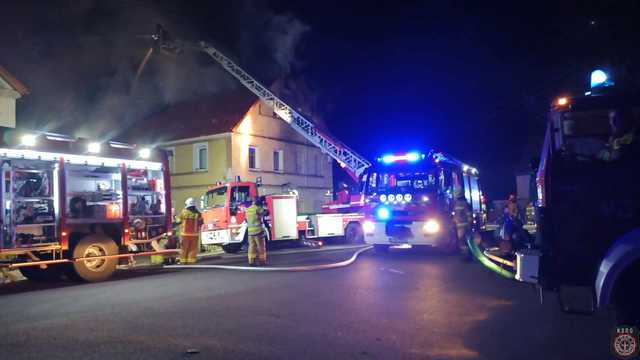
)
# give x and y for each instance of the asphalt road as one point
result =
(403, 305)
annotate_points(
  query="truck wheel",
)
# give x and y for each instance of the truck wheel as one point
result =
(232, 248)
(34, 273)
(98, 269)
(381, 248)
(353, 234)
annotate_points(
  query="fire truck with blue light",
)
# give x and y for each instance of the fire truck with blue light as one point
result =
(406, 199)
(73, 207)
(409, 199)
(588, 207)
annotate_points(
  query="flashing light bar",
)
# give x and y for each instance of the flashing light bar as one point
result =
(410, 157)
(79, 159)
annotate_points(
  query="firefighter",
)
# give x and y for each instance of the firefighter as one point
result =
(462, 217)
(622, 134)
(190, 220)
(257, 246)
(342, 196)
(512, 226)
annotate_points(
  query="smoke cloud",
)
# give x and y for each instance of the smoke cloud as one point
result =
(79, 58)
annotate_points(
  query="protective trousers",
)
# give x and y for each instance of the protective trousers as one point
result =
(257, 249)
(189, 247)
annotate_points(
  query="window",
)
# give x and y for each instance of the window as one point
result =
(317, 165)
(215, 198)
(278, 161)
(254, 161)
(200, 156)
(171, 156)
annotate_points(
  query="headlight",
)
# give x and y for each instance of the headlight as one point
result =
(431, 227)
(399, 197)
(383, 197)
(383, 213)
(233, 220)
(391, 197)
(425, 198)
(369, 227)
(407, 197)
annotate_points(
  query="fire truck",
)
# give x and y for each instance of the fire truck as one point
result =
(407, 218)
(409, 199)
(75, 207)
(588, 215)
(224, 218)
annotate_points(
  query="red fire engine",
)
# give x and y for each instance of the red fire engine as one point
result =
(409, 199)
(75, 207)
(224, 218)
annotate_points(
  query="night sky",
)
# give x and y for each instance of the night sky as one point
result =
(471, 80)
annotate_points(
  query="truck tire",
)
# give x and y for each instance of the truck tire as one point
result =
(232, 248)
(34, 273)
(353, 234)
(99, 269)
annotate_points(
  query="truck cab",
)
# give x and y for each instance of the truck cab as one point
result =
(409, 199)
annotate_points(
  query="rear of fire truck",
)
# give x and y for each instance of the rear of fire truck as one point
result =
(409, 200)
(75, 207)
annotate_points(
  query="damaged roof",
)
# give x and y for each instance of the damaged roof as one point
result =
(215, 114)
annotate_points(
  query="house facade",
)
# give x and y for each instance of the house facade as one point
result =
(11, 89)
(253, 145)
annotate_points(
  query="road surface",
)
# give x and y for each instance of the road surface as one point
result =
(403, 305)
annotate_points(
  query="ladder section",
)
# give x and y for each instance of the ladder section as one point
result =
(347, 158)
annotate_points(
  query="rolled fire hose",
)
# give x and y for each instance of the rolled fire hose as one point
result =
(344, 263)
(486, 262)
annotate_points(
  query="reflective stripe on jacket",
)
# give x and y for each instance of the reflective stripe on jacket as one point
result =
(189, 221)
(254, 215)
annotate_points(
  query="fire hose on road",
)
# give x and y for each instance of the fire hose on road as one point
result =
(344, 263)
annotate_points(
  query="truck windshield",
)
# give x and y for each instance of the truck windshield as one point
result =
(216, 198)
(405, 182)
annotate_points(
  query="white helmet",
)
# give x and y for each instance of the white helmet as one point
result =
(189, 202)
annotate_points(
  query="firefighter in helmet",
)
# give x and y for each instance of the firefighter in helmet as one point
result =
(462, 217)
(257, 246)
(190, 221)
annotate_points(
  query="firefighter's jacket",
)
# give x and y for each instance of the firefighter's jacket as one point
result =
(190, 221)
(254, 215)
(462, 213)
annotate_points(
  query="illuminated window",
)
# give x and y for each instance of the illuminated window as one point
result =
(200, 156)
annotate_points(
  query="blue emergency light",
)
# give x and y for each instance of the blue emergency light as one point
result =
(410, 157)
(383, 213)
(599, 78)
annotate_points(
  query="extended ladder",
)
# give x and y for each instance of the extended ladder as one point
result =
(346, 157)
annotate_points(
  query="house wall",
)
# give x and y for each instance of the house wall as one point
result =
(7, 105)
(186, 181)
(305, 169)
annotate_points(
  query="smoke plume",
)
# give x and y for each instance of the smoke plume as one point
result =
(79, 58)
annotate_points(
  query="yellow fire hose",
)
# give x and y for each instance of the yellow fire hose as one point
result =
(344, 263)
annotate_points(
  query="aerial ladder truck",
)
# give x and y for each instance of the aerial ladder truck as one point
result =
(419, 214)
